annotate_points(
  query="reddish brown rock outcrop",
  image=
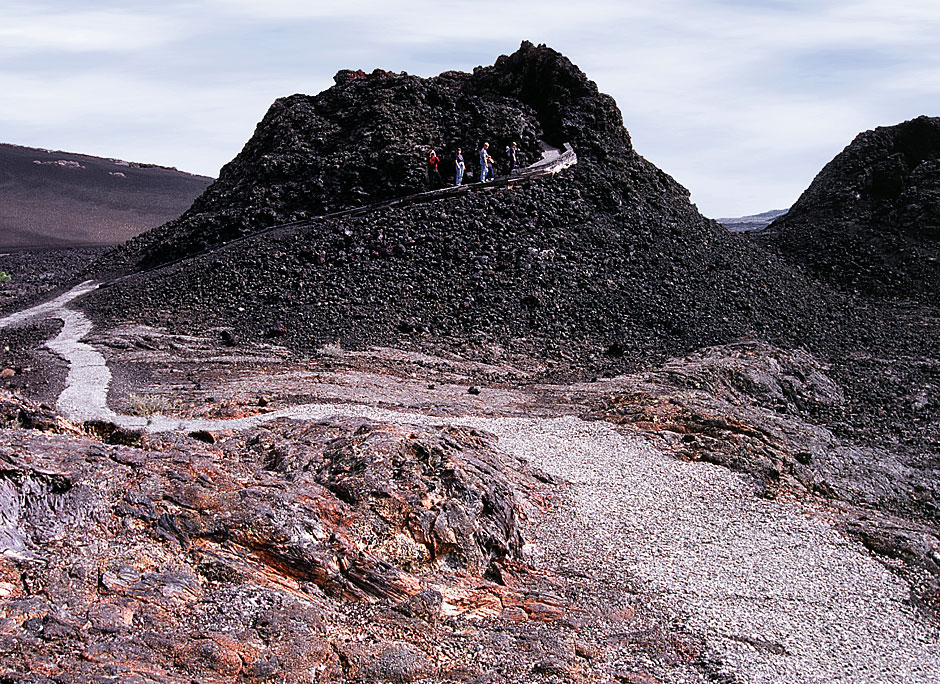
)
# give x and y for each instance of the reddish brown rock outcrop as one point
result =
(277, 554)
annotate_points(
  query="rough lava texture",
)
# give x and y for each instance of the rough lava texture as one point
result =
(37, 273)
(776, 415)
(605, 268)
(303, 552)
(871, 218)
(328, 551)
(364, 140)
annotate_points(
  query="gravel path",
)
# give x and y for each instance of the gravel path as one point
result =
(777, 595)
(86, 386)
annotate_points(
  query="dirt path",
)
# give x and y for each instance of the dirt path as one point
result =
(774, 592)
(86, 386)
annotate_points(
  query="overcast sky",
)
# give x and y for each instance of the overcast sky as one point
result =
(742, 101)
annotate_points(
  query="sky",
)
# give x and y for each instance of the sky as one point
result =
(741, 101)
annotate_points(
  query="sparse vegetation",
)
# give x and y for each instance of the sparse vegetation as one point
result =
(149, 404)
(331, 350)
(4, 277)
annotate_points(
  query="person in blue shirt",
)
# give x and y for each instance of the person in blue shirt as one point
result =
(458, 163)
(511, 157)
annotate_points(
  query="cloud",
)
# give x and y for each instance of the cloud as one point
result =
(34, 30)
(194, 128)
(744, 103)
(741, 101)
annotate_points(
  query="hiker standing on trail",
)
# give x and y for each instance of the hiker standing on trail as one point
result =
(434, 176)
(459, 165)
(484, 161)
(511, 157)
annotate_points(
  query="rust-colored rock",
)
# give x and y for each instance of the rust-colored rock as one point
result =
(264, 556)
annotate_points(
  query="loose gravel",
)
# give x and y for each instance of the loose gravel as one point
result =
(777, 594)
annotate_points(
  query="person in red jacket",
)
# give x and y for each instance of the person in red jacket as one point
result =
(434, 176)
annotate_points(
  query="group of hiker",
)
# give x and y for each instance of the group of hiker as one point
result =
(487, 165)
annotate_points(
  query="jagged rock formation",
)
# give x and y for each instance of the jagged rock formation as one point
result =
(871, 218)
(609, 260)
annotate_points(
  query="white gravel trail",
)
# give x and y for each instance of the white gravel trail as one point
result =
(777, 595)
(85, 396)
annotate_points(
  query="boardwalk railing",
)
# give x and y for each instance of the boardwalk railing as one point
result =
(553, 160)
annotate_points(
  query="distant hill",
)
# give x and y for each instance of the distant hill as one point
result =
(61, 199)
(743, 224)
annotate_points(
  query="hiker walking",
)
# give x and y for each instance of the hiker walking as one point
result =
(485, 160)
(434, 176)
(459, 165)
(511, 157)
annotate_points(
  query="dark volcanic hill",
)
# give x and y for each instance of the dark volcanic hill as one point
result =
(607, 260)
(362, 141)
(61, 199)
(871, 218)
(366, 139)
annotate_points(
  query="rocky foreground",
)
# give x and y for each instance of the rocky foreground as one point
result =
(318, 551)
(364, 517)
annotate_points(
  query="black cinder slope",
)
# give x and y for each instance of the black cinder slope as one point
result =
(871, 219)
(608, 262)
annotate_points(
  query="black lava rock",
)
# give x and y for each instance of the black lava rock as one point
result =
(603, 268)
(608, 256)
(871, 219)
